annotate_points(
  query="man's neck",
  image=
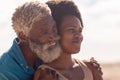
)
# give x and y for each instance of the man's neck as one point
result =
(29, 56)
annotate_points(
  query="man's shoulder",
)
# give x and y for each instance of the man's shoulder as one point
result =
(6, 75)
(5, 57)
(2, 76)
(11, 69)
(6, 72)
(7, 63)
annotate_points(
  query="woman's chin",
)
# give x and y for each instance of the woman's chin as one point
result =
(76, 51)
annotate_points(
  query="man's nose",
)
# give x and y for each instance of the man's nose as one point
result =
(53, 37)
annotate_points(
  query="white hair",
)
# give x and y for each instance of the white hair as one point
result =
(25, 15)
(44, 53)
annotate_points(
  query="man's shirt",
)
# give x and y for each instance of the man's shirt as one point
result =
(13, 65)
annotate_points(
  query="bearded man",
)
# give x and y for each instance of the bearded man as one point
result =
(36, 41)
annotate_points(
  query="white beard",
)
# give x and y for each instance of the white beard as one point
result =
(44, 53)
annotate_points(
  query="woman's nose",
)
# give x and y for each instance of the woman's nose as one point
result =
(79, 35)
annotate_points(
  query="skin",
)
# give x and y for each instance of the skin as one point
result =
(71, 35)
(43, 31)
(71, 38)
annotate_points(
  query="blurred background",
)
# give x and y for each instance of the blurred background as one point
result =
(101, 32)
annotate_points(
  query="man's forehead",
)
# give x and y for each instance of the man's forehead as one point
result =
(44, 23)
(49, 25)
(48, 22)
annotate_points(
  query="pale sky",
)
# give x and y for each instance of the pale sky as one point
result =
(101, 28)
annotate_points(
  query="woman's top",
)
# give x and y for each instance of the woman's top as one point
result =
(87, 72)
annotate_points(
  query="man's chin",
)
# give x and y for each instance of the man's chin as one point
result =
(50, 55)
(44, 53)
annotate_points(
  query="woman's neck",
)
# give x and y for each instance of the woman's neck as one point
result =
(63, 62)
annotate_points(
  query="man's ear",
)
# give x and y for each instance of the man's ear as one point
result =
(22, 37)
